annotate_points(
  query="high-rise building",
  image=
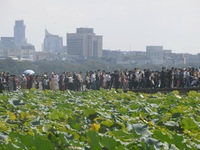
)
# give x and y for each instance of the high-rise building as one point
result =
(19, 32)
(52, 43)
(84, 43)
(17, 47)
(155, 53)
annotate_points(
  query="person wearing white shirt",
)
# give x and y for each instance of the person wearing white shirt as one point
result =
(93, 81)
(187, 78)
(107, 80)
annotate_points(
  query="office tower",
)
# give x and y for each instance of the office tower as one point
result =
(19, 32)
(155, 53)
(52, 43)
(84, 43)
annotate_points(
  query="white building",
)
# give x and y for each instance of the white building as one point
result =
(52, 43)
(155, 53)
(84, 43)
(24, 52)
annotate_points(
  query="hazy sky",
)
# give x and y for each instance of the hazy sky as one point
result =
(124, 24)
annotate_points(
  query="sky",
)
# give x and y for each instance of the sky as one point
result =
(129, 25)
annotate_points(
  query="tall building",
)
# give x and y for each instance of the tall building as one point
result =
(84, 43)
(52, 43)
(17, 47)
(19, 32)
(155, 53)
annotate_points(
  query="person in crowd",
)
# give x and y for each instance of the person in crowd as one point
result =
(79, 81)
(148, 78)
(102, 82)
(34, 82)
(76, 81)
(175, 77)
(170, 77)
(54, 82)
(39, 80)
(163, 78)
(45, 82)
(131, 79)
(62, 81)
(195, 77)
(125, 79)
(152, 80)
(10, 83)
(29, 81)
(23, 81)
(1, 83)
(140, 76)
(143, 79)
(111, 80)
(116, 80)
(97, 73)
(187, 77)
(70, 81)
(15, 82)
(87, 80)
(181, 78)
(137, 77)
(156, 79)
(93, 81)
(108, 80)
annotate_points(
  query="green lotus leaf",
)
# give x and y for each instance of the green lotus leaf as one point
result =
(193, 94)
(54, 115)
(63, 119)
(123, 110)
(109, 143)
(178, 141)
(29, 142)
(2, 110)
(189, 124)
(93, 140)
(11, 115)
(134, 106)
(166, 117)
(76, 126)
(162, 136)
(107, 123)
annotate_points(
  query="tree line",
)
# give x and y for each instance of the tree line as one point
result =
(17, 67)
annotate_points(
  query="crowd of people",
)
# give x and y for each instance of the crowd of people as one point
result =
(125, 79)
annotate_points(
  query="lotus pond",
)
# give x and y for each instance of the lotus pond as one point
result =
(99, 120)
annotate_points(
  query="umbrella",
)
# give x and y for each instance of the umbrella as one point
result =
(29, 72)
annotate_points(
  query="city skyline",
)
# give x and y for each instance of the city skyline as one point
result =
(124, 25)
